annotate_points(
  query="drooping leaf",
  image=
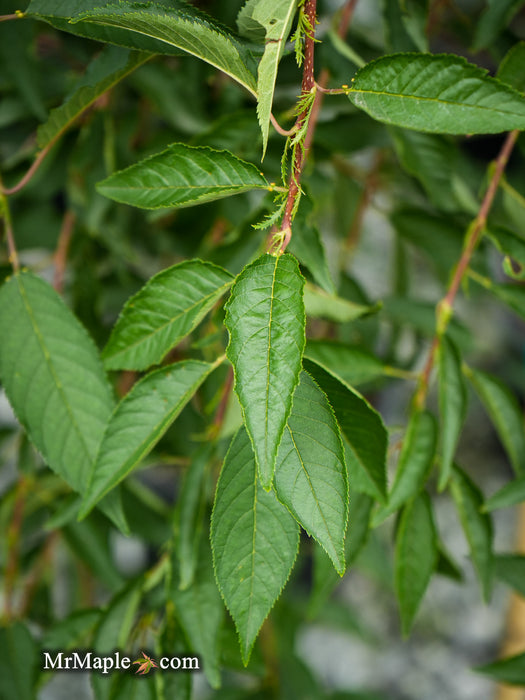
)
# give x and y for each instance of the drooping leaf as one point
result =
(452, 405)
(54, 380)
(307, 246)
(510, 670)
(437, 93)
(18, 661)
(361, 425)
(138, 423)
(254, 541)
(446, 566)
(265, 319)
(169, 306)
(513, 247)
(325, 577)
(512, 68)
(414, 464)
(189, 517)
(509, 495)
(310, 472)
(105, 71)
(495, 18)
(320, 304)
(510, 568)
(276, 17)
(416, 557)
(511, 294)
(352, 364)
(436, 162)
(182, 176)
(164, 26)
(476, 525)
(502, 406)
(201, 611)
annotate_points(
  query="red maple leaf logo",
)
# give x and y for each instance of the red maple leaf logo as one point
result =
(145, 664)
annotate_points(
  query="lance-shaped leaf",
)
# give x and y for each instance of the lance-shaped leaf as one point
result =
(319, 304)
(275, 16)
(105, 71)
(54, 380)
(200, 611)
(265, 318)
(139, 421)
(510, 670)
(182, 176)
(503, 408)
(510, 568)
(18, 662)
(310, 473)
(325, 578)
(436, 93)
(509, 495)
(164, 26)
(254, 541)
(452, 405)
(494, 20)
(414, 464)
(361, 425)
(476, 525)
(169, 306)
(416, 557)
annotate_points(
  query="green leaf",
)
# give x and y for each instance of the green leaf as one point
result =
(169, 306)
(504, 411)
(200, 611)
(352, 364)
(512, 68)
(158, 27)
(266, 321)
(452, 405)
(436, 236)
(310, 473)
(512, 246)
(510, 670)
(105, 71)
(436, 93)
(307, 246)
(414, 464)
(493, 21)
(511, 294)
(182, 176)
(276, 17)
(476, 525)
(416, 556)
(509, 495)
(361, 425)
(436, 162)
(325, 577)
(138, 423)
(54, 380)
(510, 568)
(71, 632)
(319, 304)
(254, 541)
(189, 516)
(18, 662)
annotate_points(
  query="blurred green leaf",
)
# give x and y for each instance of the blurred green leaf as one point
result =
(452, 405)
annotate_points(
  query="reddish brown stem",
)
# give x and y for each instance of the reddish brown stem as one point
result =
(13, 546)
(6, 18)
(279, 129)
(307, 85)
(444, 308)
(60, 257)
(29, 174)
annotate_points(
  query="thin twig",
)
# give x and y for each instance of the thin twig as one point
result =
(6, 18)
(9, 236)
(29, 174)
(60, 256)
(13, 545)
(475, 230)
(279, 129)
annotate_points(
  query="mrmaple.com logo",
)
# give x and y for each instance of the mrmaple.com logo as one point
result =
(89, 661)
